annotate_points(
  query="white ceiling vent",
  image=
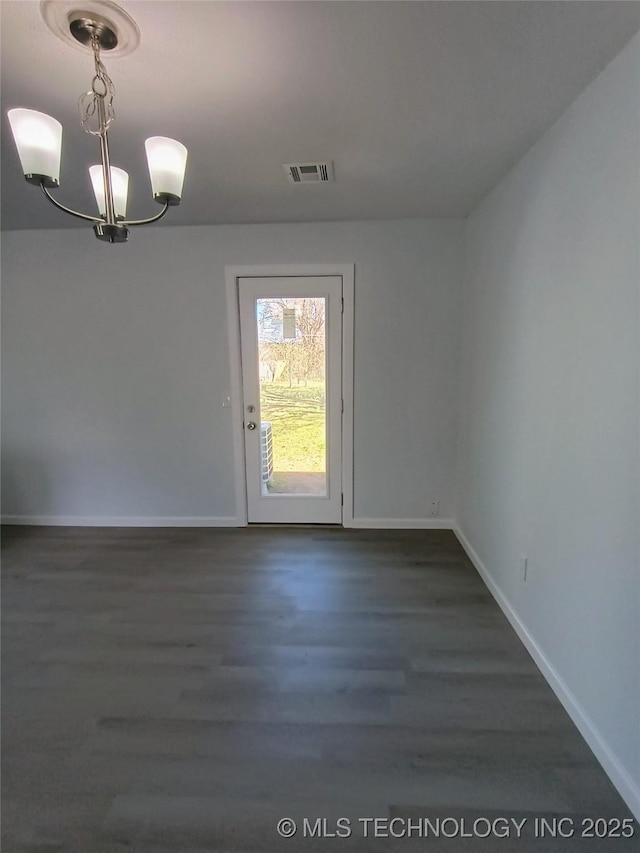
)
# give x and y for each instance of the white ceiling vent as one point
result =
(309, 173)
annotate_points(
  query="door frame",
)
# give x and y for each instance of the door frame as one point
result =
(232, 274)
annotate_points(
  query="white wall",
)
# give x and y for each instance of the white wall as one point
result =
(549, 408)
(115, 365)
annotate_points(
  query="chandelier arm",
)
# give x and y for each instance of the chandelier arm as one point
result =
(151, 218)
(68, 209)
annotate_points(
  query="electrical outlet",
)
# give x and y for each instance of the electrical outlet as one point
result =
(522, 566)
(434, 509)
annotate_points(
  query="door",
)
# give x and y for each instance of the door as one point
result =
(291, 344)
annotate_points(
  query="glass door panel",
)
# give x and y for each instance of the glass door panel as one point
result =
(292, 375)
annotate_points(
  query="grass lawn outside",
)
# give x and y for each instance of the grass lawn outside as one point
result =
(297, 416)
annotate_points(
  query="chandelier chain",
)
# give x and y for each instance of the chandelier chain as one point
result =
(94, 120)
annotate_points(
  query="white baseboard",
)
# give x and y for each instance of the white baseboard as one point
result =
(207, 521)
(119, 521)
(402, 523)
(627, 787)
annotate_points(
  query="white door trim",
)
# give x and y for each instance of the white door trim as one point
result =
(232, 274)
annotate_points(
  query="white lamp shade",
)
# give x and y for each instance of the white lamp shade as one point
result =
(119, 186)
(167, 160)
(38, 139)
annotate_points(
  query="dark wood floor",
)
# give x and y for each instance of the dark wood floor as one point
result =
(180, 691)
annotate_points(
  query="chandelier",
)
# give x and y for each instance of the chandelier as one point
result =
(38, 138)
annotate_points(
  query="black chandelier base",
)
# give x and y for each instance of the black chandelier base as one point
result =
(111, 233)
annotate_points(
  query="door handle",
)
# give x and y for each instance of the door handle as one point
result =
(251, 425)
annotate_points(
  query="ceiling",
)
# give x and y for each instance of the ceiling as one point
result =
(421, 106)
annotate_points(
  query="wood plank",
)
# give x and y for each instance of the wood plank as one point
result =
(182, 690)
